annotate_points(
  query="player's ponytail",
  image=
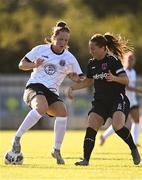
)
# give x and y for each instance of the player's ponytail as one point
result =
(115, 45)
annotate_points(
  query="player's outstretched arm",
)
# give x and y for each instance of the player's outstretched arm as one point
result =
(76, 86)
(76, 78)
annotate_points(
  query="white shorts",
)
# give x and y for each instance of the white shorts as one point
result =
(133, 102)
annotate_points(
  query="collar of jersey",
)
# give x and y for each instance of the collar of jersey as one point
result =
(56, 52)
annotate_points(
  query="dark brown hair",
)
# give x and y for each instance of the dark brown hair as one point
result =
(116, 45)
(61, 26)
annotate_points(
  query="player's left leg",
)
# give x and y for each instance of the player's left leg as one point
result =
(58, 109)
(123, 132)
(59, 132)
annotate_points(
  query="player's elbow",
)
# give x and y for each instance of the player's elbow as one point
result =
(127, 81)
(20, 66)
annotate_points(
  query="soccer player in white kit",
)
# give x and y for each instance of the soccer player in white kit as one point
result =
(50, 63)
(131, 90)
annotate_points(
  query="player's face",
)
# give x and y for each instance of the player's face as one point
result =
(131, 61)
(96, 51)
(60, 41)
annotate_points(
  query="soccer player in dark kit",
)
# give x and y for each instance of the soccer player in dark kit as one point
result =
(105, 70)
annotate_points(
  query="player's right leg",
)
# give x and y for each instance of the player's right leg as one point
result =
(39, 105)
(95, 121)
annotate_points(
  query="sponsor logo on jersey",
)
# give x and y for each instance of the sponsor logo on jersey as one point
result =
(100, 76)
(62, 62)
(50, 69)
(119, 107)
(124, 104)
(93, 67)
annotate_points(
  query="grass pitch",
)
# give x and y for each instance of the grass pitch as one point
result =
(109, 162)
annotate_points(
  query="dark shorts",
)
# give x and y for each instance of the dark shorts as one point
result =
(33, 90)
(106, 108)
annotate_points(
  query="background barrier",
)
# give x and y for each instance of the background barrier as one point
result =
(13, 109)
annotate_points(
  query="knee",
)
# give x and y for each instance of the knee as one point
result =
(63, 113)
(42, 110)
(93, 126)
(117, 126)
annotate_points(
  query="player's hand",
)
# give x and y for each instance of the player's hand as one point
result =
(110, 77)
(69, 93)
(76, 78)
(38, 62)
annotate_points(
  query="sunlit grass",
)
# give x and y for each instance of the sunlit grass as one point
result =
(112, 161)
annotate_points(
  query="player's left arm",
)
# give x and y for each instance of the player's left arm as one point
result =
(121, 78)
(117, 73)
(135, 89)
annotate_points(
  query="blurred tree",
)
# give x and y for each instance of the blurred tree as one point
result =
(25, 23)
(109, 7)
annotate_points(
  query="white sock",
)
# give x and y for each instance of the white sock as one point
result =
(135, 130)
(59, 131)
(108, 132)
(30, 120)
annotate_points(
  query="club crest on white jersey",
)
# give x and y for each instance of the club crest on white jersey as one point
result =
(50, 69)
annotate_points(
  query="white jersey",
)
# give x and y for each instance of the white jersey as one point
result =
(131, 73)
(54, 68)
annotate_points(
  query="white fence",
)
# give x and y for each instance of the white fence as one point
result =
(13, 109)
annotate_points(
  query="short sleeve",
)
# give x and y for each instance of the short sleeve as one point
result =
(117, 66)
(33, 54)
(89, 71)
(74, 66)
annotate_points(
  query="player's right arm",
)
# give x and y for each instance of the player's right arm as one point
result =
(26, 64)
(76, 86)
(32, 59)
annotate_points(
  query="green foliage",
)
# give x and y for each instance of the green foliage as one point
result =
(118, 7)
(25, 23)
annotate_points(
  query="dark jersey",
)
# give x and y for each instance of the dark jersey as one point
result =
(98, 69)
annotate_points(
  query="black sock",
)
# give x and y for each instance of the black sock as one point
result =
(125, 134)
(89, 142)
